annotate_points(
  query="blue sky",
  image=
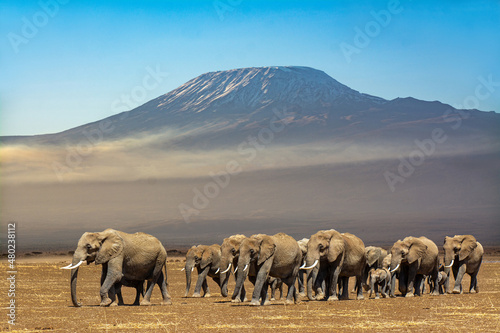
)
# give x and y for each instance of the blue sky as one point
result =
(83, 56)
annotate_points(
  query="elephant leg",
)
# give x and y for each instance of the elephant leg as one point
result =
(473, 283)
(263, 293)
(112, 293)
(151, 284)
(403, 280)
(113, 276)
(377, 289)
(320, 287)
(359, 287)
(118, 291)
(139, 290)
(162, 284)
(458, 279)
(292, 295)
(418, 284)
(412, 275)
(383, 290)
(281, 290)
(302, 289)
(273, 289)
(260, 281)
(333, 284)
(202, 283)
(345, 287)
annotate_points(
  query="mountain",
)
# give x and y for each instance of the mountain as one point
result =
(225, 107)
(260, 150)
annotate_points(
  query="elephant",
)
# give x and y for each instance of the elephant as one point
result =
(125, 257)
(194, 258)
(379, 277)
(442, 278)
(463, 254)
(275, 284)
(230, 250)
(209, 266)
(374, 258)
(420, 257)
(334, 255)
(395, 275)
(261, 256)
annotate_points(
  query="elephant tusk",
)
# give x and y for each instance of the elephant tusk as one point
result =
(312, 266)
(217, 271)
(75, 266)
(183, 269)
(192, 269)
(235, 270)
(246, 267)
(228, 267)
(395, 269)
(451, 264)
(303, 265)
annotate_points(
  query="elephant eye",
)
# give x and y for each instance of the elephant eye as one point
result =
(321, 246)
(89, 246)
(252, 251)
(233, 251)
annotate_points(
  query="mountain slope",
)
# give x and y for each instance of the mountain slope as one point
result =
(225, 107)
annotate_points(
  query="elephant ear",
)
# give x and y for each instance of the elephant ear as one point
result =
(372, 255)
(112, 246)
(469, 244)
(267, 247)
(336, 246)
(416, 249)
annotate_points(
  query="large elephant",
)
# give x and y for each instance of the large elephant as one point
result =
(262, 256)
(340, 256)
(374, 258)
(417, 257)
(131, 257)
(230, 251)
(209, 266)
(464, 254)
(193, 260)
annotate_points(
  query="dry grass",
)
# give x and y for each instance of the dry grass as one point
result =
(43, 304)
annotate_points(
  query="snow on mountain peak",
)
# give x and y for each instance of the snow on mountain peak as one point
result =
(256, 87)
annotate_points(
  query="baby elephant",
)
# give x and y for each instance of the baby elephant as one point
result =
(275, 283)
(442, 277)
(380, 277)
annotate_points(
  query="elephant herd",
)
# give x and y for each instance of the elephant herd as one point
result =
(320, 266)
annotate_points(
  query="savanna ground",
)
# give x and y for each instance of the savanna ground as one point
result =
(43, 304)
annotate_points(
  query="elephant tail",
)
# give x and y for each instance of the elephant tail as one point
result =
(165, 269)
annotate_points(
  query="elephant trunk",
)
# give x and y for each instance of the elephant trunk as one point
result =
(312, 265)
(74, 276)
(243, 270)
(188, 270)
(395, 262)
(227, 263)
